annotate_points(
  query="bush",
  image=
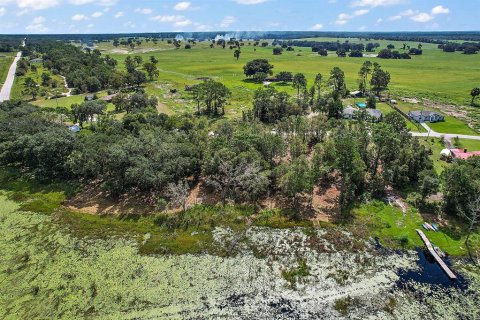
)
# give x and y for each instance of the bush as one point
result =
(161, 204)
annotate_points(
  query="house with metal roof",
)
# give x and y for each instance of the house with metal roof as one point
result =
(349, 112)
(426, 116)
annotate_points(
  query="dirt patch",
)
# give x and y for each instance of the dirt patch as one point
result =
(93, 200)
(163, 108)
(325, 203)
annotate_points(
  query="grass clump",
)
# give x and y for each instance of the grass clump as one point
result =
(292, 275)
(343, 305)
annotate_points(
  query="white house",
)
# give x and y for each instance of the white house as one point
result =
(426, 116)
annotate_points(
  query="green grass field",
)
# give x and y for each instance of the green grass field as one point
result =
(6, 59)
(440, 76)
(470, 145)
(395, 229)
(37, 76)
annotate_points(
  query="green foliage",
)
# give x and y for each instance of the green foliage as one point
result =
(269, 105)
(257, 65)
(343, 305)
(294, 274)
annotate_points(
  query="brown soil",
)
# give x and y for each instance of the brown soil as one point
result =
(93, 200)
(322, 208)
(325, 204)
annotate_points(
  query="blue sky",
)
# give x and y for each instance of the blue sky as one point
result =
(111, 16)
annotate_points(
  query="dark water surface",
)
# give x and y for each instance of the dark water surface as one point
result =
(430, 273)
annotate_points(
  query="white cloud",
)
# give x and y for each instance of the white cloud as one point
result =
(344, 17)
(182, 6)
(376, 3)
(202, 27)
(440, 10)
(395, 18)
(317, 26)
(130, 24)
(2, 11)
(119, 14)
(422, 17)
(105, 3)
(183, 23)
(37, 25)
(90, 26)
(408, 12)
(227, 21)
(27, 5)
(362, 28)
(79, 17)
(168, 18)
(249, 2)
(379, 20)
(97, 14)
(38, 20)
(144, 10)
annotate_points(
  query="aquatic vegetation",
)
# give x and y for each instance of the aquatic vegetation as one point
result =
(46, 272)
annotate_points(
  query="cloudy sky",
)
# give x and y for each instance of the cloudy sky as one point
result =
(110, 16)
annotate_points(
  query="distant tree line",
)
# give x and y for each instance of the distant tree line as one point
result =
(465, 47)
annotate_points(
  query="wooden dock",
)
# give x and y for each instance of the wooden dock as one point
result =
(439, 260)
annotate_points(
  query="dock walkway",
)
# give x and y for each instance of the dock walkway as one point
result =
(439, 260)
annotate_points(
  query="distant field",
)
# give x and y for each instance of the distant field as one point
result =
(443, 77)
(6, 59)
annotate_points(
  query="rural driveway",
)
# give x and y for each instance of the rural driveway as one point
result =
(7, 86)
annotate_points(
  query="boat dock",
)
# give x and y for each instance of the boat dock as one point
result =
(439, 260)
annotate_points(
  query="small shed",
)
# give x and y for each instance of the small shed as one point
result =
(446, 153)
(356, 94)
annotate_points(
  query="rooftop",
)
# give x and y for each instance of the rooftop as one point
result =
(464, 154)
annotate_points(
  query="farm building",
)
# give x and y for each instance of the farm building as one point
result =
(462, 154)
(426, 116)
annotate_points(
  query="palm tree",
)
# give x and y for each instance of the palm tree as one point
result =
(236, 54)
(299, 82)
(475, 93)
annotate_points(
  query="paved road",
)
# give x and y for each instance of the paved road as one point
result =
(7, 86)
(446, 136)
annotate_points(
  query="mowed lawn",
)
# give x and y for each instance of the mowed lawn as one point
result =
(6, 59)
(470, 145)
